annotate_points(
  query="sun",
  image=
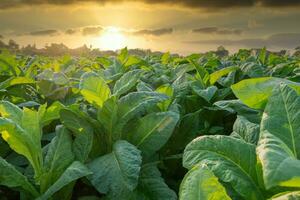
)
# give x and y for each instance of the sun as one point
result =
(112, 39)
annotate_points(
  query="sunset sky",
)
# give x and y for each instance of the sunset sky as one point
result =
(181, 26)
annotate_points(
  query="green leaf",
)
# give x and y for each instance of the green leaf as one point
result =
(236, 106)
(75, 171)
(246, 130)
(153, 131)
(256, 91)
(279, 144)
(132, 60)
(126, 82)
(117, 172)
(52, 113)
(15, 81)
(152, 186)
(12, 178)
(133, 105)
(105, 62)
(262, 57)
(202, 73)
(32, 126)
(287, 196)
(207, 93)
(215, 76)
(123, 56)
(83, 131)
(108, 118)
(167, 90)
(59, 156)
(94, 89)
(232, 160)
(165, 58)
(22, 142)
(144, 87)
(10, 111)
(201, 183)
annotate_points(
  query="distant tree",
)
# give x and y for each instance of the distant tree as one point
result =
(13, 45)
(222, 52)
(297, 51)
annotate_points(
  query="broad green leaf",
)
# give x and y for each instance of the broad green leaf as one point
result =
(165, 58)
(207, 93)
(153, 131)
(152, 186)
(59, 156)
(253, 69)
(52, 113)
(133, 105)
(202, 75)
(83, 131)
(94, 89)
(282, 117)
(123, 56)
(201, 183)
(126, 82)
(287, 196)
(22, 142)
(10, 111)
(236, 106)
(262, 57)
(279, 144)
(117, 172)
(105, 62)
(215, 76)
(108, 117)
(256, 91)
(31, 125)
(12, 178)
(136, 102)
(144, 87)
(15, 81)
(132, 60)
(232, 160)
(75, 171)
(167, 90)
(246, 130)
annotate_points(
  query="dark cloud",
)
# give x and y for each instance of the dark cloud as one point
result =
(154, 32)
(216, 30)
(188, 3)
(49, 32)
(71, 31)
(283, 40)
(278, 3)
(92, 30)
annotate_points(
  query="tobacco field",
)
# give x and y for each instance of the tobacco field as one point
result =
(155, 127)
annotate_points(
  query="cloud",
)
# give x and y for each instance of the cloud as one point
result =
(49, 32)
(91, 30)
(278, 3)
(71, 31)
(252, 24)
(282, 40)
(153, 32)
(187, 3)
(219, 31)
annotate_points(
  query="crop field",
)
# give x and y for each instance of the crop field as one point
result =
(153, 127)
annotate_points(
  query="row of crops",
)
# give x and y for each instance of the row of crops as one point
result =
(159, 127)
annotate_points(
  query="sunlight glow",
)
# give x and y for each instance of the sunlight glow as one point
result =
(112, 39)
